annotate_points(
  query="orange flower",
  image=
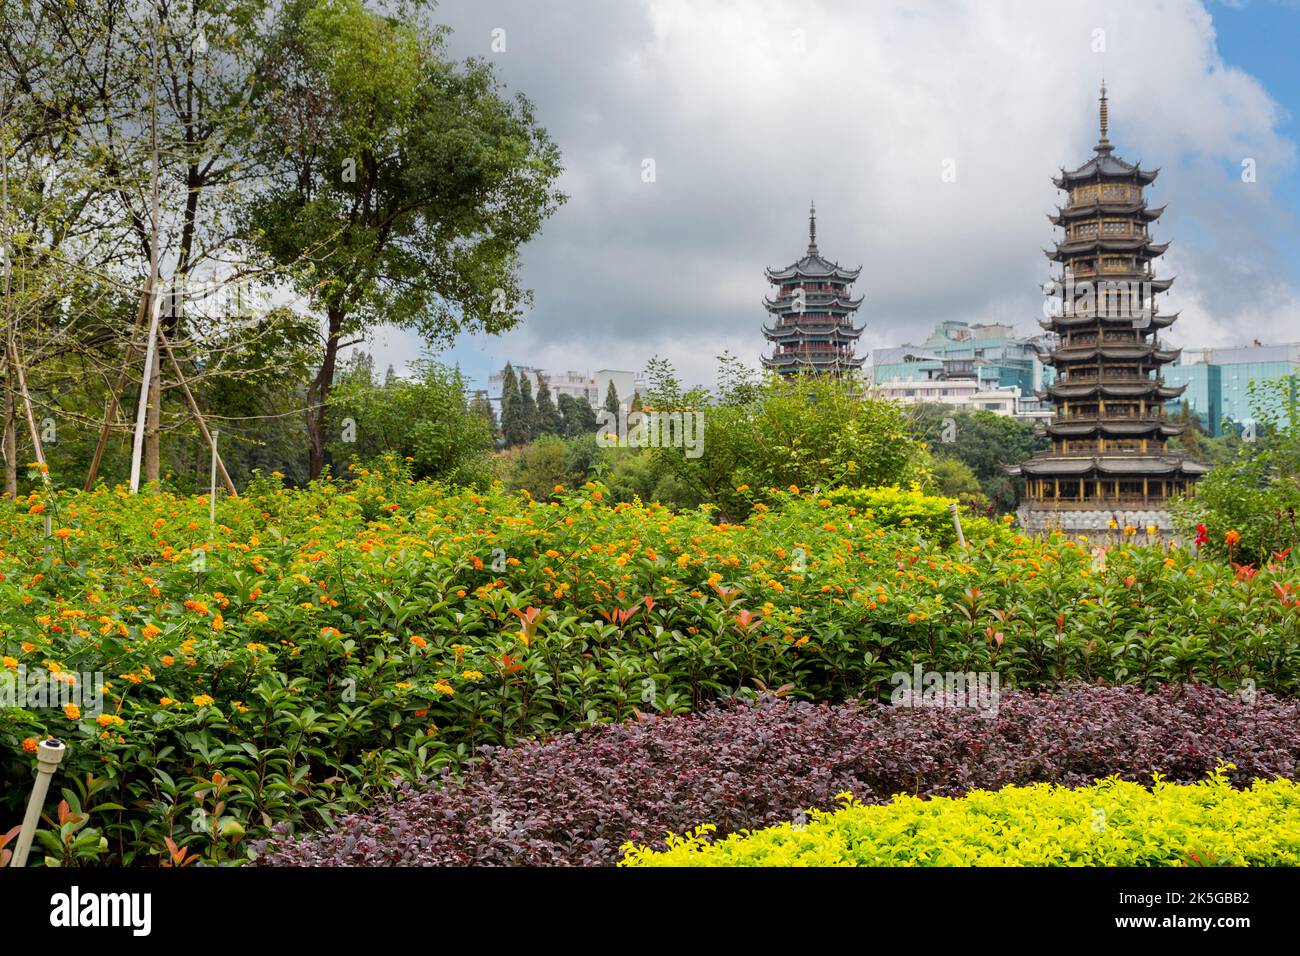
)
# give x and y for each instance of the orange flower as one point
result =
(30, 745)
(1232, 537)
(72, 712)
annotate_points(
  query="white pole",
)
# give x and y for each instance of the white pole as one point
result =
(48, 755)
(212, 489)
(150, 356)
(151, 350)
(956, 523)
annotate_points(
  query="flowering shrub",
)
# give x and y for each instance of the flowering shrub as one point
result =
(319, 644)
(1111, 823)
(575, 799)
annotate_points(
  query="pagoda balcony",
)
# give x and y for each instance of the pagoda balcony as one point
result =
(1075, 416)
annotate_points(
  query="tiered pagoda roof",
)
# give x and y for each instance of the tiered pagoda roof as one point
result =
(1109, 430)
(812, 313)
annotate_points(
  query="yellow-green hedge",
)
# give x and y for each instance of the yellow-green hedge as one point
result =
(1111, 823)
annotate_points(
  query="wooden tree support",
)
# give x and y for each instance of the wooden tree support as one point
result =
(198, 415)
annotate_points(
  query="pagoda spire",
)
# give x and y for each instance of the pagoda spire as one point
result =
(1103, 145)
(812, 228)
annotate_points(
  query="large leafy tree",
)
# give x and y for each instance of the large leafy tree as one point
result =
(400, 185)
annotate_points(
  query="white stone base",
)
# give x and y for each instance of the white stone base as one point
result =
(1093, 521)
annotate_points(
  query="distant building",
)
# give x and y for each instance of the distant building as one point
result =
(985, 365)
(589, 385)
(964, 393)
(812, 314)
(1218, 380)
(990, 353)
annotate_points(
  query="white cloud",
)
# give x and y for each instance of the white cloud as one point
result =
(746, 126)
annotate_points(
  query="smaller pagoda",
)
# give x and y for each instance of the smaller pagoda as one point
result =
(812, 314)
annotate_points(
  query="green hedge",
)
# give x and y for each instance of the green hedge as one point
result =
(1111, 823)
(894, 507)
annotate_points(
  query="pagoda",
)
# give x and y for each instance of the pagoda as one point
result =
(812, 314)
(1108, 466)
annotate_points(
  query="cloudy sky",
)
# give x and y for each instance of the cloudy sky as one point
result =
(749, 109)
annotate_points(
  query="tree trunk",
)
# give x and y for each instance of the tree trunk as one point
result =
(10, 443)
(318, 394)
(153, 424)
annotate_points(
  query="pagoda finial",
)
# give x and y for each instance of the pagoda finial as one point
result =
(1103, 146)
(812, 228)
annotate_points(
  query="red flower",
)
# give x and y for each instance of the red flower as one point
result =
(1202, 535)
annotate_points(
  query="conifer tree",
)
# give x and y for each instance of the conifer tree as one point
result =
(549, 421)
(529, 406)
(514, 427)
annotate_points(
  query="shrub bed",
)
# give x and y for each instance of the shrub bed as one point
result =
(576, 799)
(1111, 823)
(318, 645)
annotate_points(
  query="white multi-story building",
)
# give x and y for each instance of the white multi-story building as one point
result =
(963, 393)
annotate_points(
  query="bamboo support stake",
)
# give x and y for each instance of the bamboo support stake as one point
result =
(198, 415)
(212, 486)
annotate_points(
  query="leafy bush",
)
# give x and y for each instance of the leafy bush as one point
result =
(767, 433)
(888, 507)
(1248, 507)
(575, 799)
(1111, 823)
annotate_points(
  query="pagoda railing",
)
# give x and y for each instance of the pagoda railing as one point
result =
(1099, 504)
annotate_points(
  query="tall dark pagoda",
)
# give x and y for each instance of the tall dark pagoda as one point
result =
(1108, 465)
(812, 314)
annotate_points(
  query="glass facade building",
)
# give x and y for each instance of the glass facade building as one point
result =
(1218, 380)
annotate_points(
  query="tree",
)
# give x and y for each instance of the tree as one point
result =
(578, 415)
(399, 185)
(481, 406)
(423, 417)
(549, 421)
(611, 398)
(529, 406)
(514, 427)
(635, 404)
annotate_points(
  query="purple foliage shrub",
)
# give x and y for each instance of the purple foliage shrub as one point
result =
(575, 799)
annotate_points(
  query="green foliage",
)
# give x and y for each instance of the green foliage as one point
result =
(579, 418)
(1250, 504)
(514, 422)
(890, 507)
(549, 421)
(399, 186)
(423, 419)
(541, 466)
(1111, 823)
(775, 432)
(321, 644)
(984, 442)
